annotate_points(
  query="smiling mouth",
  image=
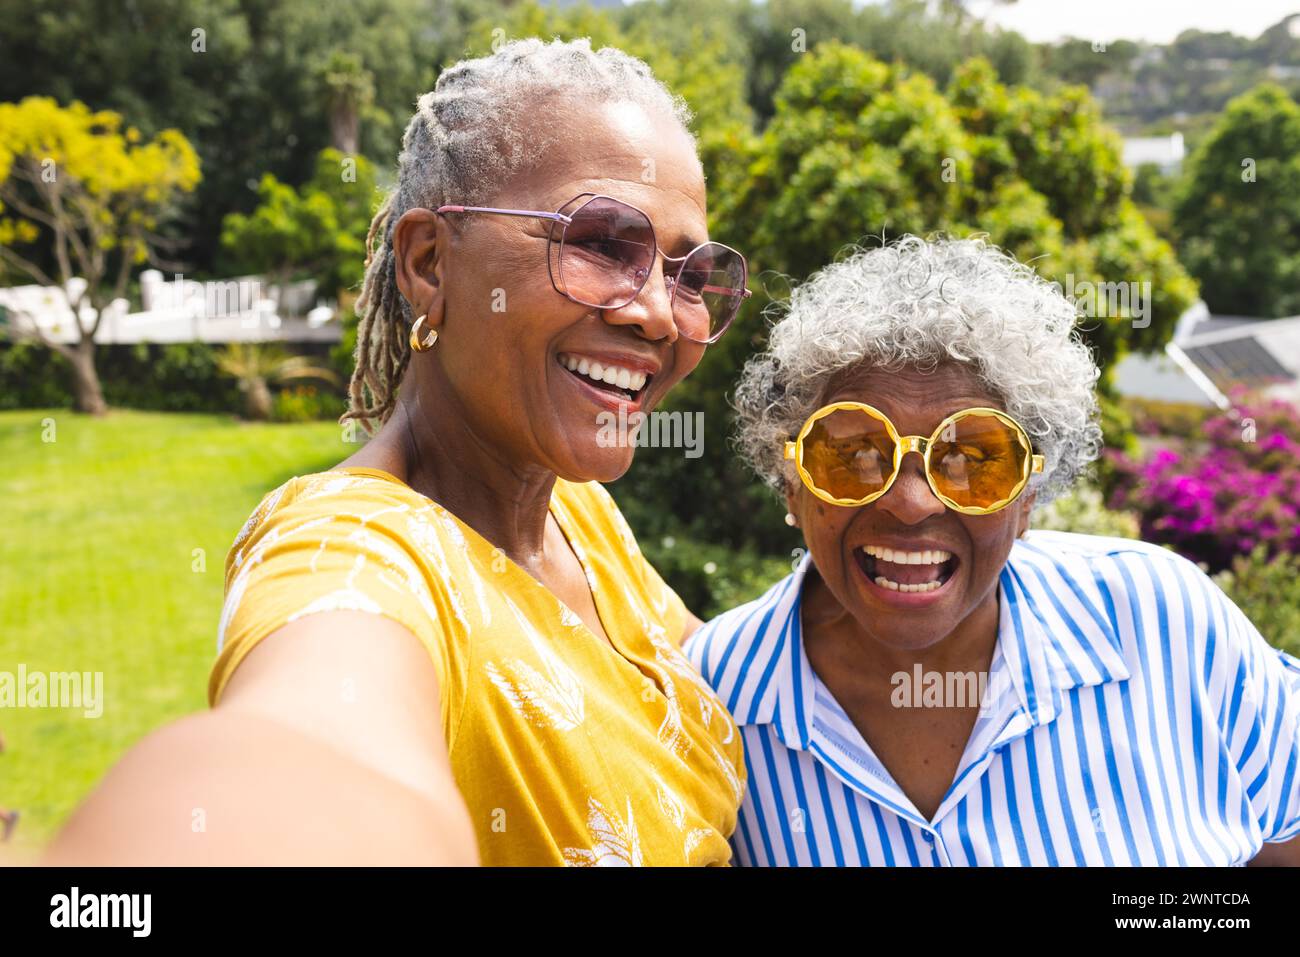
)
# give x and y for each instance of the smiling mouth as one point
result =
(620, 383)
(909, 572)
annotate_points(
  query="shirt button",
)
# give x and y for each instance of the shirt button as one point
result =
(929, 838)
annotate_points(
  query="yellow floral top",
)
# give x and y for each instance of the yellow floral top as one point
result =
(566, 750)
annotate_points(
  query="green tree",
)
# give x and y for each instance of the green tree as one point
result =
(1239, 213)
(84, 191)
(857, 148)
(254, 85)
(317, 231)
(351, 92)
(1086, 61)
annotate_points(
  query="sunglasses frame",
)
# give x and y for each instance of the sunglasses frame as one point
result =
(563, 220)
(914, 443)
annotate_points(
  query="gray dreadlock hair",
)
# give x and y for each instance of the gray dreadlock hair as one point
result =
(468, 137)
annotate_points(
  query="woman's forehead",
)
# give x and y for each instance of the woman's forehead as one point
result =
(947, 387)
(623, 151)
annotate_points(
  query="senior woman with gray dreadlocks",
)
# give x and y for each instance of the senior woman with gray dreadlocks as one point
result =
(454, 628)
(934, 684)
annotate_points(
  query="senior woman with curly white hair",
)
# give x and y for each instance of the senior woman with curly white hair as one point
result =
(934, 684)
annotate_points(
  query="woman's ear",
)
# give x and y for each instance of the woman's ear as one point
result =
(789, 486)
(1026, 511)
(419, 248)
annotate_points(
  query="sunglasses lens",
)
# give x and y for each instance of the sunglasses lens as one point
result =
(606, 253)
(979, 460)
(849, 454)
(708, 291)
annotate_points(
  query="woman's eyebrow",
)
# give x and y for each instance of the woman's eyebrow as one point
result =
(685, 244)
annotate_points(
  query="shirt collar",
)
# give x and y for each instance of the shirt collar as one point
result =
(1054, 629)
(785, 689)
(1053, 634)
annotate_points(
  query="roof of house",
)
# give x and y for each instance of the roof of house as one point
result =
(1225, 353)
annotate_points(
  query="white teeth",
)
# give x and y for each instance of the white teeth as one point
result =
(611, 375)
(900, 557)
(895, 586)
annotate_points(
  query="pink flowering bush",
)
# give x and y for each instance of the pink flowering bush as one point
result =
(1222, 496)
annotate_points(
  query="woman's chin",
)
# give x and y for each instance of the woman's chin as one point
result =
(593, 463)
(911, 636)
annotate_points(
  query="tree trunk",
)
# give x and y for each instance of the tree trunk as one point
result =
(86, 391)
(345, 128)
(257, 401)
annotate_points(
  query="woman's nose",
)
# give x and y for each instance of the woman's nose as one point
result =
(910, 499)
(652, 308)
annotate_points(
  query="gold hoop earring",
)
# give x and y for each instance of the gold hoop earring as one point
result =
(425, 344)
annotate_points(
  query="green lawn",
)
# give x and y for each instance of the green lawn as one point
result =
(98, 572)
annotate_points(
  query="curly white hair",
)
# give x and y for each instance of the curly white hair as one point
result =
(918, 303)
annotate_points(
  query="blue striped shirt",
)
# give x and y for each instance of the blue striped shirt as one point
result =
(1134, 717)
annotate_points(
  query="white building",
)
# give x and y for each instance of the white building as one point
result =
(1210, 356)
(241, 309)
(1167, 152)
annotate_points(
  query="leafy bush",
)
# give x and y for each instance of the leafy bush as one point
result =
(343, 354)
(1269, 593)
(33, 377)
(305, 404)
(1178, 419)
(1117, 432)
(177, 377)
(1222, 497)
(712, 579)
(1084, 511)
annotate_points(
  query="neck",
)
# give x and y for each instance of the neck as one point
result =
(436, 451)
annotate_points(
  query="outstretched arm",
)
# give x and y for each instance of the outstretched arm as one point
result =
(290, 769)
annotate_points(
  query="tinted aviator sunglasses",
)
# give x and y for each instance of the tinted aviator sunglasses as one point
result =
(977, 461)
(603, 250)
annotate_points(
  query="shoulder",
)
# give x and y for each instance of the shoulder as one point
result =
(1119, 569)
(330, 540)
(1074, 551)
(340, 541)
(321, 502)
(1152, 598)
(725, 647)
